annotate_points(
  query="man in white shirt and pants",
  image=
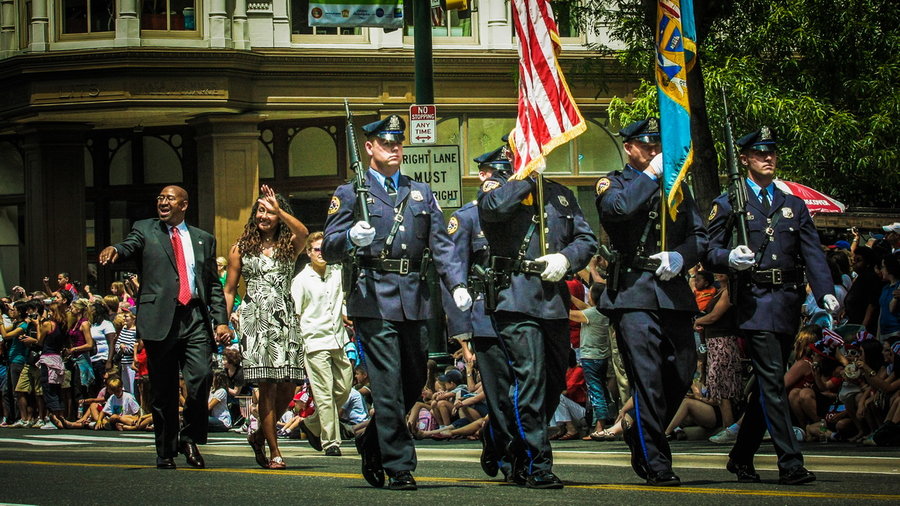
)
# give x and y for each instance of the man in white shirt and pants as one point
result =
(318, 301)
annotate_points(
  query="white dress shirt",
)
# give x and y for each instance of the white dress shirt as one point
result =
(319, 303)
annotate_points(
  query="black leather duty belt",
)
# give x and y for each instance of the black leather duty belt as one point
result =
(777, 277)
(398, 265)
(643, 263)
(511, 265)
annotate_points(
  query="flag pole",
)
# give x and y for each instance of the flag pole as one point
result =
(541, 220)
(662, 215)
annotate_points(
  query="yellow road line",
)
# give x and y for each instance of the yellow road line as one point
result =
(421, 479)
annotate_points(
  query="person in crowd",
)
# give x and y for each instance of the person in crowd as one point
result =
(7, 413)
(119, 404)
(774, 294)
(63, 283)
(104, 334)
(264, 256)
(861, 302)
(354, 411)
(141, 375)
(89, 409)
(219, 416)
(696, 409)
(13, 336)
(595, 355)
(361, 383)
(651, 305)
(442, 406)
(117, 288)
(317, 296)
(81, 339)
(811, 310)
(236, 385)
(723, 357)
(813, 383)
(888, 310)
(29, 383)
(222, 267)
(388, 300)
(892, 236)
(181, 299)
(52, 338)
(703, 284)
(125, 343)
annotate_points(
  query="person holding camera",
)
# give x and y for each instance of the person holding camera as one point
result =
(52, 338)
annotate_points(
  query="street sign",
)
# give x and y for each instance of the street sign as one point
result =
(439, 167)
(422, 124)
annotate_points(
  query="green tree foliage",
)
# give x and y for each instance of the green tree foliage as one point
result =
(824, 74)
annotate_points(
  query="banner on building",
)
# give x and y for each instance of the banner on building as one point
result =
(343, 13)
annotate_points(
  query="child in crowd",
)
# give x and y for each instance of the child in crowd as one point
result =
(121, 407)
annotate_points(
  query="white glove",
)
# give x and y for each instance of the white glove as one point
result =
(670, 264)
(830, 303)
(362, 234)
(557, 265)
(655, 169)
(462, 298)
(741, 258)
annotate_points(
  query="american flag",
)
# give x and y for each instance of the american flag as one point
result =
(548, 116)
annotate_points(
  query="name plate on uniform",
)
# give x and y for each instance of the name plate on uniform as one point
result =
(439, 167)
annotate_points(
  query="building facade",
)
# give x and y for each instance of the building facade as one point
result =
(104, 102)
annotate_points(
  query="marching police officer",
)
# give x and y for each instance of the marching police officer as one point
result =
(528, 301)
(389, 300)
(474, 325)
(648, 299)
(782, 240)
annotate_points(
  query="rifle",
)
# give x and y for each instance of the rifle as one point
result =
(737, 197)
(350, 268)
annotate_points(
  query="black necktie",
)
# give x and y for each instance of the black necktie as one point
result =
(764, 198)
(390, 188)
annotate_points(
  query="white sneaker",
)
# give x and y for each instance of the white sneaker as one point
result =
(37, 422)
(21, 424)
(727, 436)
(49, 426)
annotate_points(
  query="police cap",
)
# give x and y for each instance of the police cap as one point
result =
(760, 140)
(645, 130)
(497, 159)
(390, 129)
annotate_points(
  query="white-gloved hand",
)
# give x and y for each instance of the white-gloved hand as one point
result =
(557, 265)
(362, 234)
(462, 298)
(670, 264)
(741, 258)
(830, 303)
(655, 169)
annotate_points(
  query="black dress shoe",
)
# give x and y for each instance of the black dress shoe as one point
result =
(165, 463)
(543, 480)
(333, 451)
(314, 440)
(402, 481)
(629, 435)
(515, 477)
(192, 455)
(371, 462)
(745, 472)
(488, 461)
(663, 479)
(796, 476)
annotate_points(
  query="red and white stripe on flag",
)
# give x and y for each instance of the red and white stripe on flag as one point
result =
(548, 116)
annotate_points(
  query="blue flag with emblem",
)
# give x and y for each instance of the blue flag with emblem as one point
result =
(675, 55)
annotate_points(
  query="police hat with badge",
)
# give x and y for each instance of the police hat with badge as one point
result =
(496, 161)
(389, 129)
(646, 131)
(760, 140)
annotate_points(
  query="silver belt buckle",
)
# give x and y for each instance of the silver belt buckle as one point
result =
(404, 266)
(777, 278)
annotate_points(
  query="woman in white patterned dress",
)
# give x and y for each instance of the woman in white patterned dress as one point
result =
(272, 353)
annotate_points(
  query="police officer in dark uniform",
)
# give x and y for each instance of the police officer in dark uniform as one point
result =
(389, 300)
(648, 299)
(528, 300)
(770, 292)
(475, 327)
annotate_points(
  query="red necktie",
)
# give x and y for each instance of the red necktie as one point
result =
(184, 289)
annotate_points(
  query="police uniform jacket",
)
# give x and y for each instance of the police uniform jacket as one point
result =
(794, 242)
(624, 201)
(469, 248)
(391, 295)
(505, 219)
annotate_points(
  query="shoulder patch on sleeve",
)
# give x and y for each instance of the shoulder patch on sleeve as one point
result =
(490, 185)
(335, 205)
(713, 212)
(452, 225)
(602, 185)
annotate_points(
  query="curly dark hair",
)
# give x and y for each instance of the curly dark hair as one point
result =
(250, 242)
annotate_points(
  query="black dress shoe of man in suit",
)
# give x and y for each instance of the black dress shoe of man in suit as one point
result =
(543, 479)
(745, 473)
(402, 481)
(192, 454)
(796, 476)
(371, 462)
(165, 463)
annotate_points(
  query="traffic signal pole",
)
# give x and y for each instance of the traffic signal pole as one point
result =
(422, 46)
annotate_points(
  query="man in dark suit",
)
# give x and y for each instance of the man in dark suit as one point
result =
(770, 293)
(389, 301)
(179, 298)
(648, 298)
(531, 313)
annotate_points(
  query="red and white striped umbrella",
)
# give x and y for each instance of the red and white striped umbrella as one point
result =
(816, 201)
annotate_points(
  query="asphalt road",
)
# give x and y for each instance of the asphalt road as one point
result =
(86, 467)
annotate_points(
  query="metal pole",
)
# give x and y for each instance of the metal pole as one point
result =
(542, 222)
(662, 214)
(422, 45)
